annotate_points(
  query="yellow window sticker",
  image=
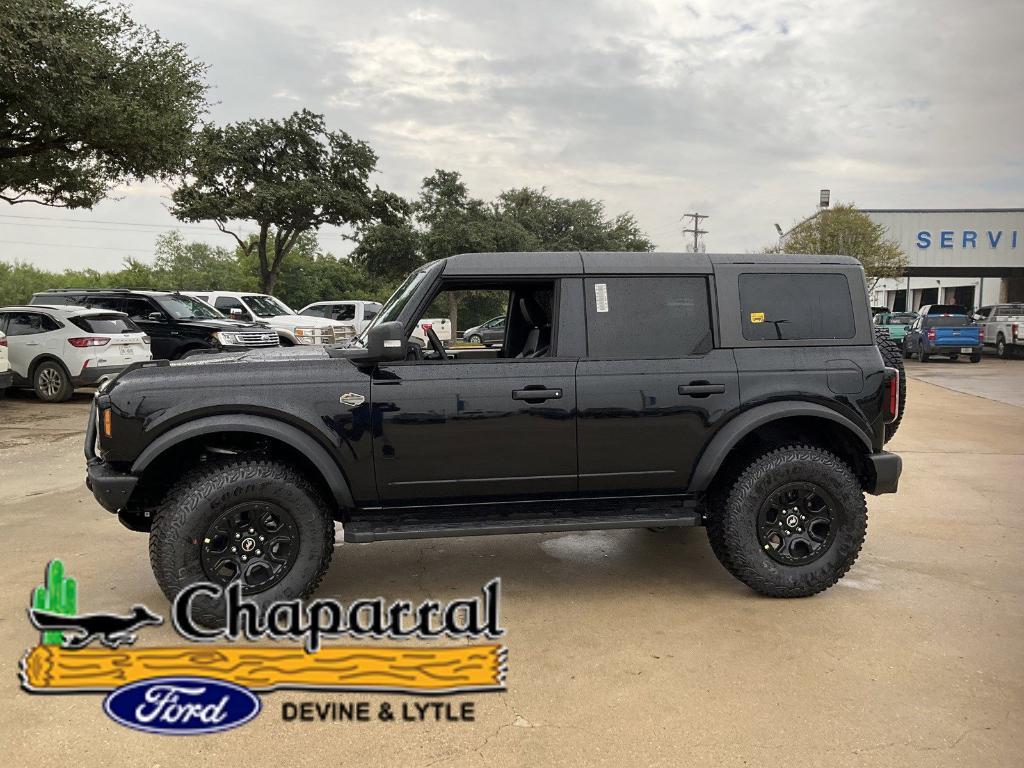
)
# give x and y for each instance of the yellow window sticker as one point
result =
(757, 317)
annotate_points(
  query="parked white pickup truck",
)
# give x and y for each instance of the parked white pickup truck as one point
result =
(1004, 327)
(292, 328)
(353, 313)
(442, 326)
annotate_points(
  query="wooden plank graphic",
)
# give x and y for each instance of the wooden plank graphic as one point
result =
(415, 670)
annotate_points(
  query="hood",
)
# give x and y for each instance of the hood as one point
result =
(224, 324)
(301, 321)
(264, 355)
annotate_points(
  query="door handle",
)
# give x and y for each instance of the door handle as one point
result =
(536, 394)
(701, 389)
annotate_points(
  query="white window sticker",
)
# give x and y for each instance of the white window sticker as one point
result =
(601, 295)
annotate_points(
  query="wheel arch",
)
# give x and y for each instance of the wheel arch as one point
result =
(45, 357)
(777, 423)
(300, 447)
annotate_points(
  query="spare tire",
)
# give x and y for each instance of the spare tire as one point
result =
(892, 355)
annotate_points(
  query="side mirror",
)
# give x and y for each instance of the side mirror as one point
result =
(385, 343)
(156, 317)
(235, 312)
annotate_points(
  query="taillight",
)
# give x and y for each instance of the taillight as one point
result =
(3, 341)
(1015, 328)
(89, 341)
(981, 334)
(931, 334)
(894, 397)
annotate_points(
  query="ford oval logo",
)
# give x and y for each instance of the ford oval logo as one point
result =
(182, 705)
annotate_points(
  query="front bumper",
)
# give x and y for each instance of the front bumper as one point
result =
(111, 488)
(885, 472)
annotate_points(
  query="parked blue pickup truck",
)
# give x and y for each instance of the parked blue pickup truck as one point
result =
(943, 329)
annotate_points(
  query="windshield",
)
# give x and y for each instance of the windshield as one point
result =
(182, 307)
(393, 307)
(266, 306)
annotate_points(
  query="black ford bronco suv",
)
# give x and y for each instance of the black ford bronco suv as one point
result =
(746, 394)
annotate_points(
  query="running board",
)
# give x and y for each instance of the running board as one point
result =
(391, 525)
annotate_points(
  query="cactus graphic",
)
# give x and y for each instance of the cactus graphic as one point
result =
(58, 594)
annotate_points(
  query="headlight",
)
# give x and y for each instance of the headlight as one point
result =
(305, 335)
(225, 338)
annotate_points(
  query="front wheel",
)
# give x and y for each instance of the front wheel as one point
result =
(256, 522)
(792, 523)
(475, 339)
(922, 356)
(52, 382)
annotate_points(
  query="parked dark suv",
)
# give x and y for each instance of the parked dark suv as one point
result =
(178, 325)
(754, 402)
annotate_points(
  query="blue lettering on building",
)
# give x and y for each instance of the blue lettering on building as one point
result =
(968, 238)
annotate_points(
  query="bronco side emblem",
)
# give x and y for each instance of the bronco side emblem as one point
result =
(352, 399)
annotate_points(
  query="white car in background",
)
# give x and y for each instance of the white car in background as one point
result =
(54, 349)
(354, 313)
(5, 365)
(293, 328)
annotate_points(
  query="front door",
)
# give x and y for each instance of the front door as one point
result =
(652, 387)
(474, 430)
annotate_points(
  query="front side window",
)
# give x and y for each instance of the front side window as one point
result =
(344, 311)
(182, 307)
(642, 318)
(315, 311)
(393, 306)
(783, 307)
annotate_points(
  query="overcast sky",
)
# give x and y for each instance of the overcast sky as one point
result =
(738, 110)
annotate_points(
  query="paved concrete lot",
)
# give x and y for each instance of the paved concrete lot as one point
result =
(995, 379)
(625, 648)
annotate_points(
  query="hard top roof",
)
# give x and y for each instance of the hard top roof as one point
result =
(605, 262)
(61, 309)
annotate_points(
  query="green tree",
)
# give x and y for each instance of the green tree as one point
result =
(286, 176)
(197, 266)
(90, 100)
(846, 231)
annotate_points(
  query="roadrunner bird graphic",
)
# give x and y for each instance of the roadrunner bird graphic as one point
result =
(110, 629)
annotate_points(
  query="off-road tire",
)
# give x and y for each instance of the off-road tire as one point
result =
(892, 356)
(732, 527)
(52, 382)
(176, 538)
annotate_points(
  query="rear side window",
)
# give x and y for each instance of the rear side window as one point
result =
(778, 307)
(106, 324)
(642, 318)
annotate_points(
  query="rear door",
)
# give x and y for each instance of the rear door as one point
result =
(652, 387)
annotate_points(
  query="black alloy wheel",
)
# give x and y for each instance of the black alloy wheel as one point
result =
(795, 525)
(255, 543)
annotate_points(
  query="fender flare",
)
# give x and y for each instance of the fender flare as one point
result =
(258, 425)
(735, 430)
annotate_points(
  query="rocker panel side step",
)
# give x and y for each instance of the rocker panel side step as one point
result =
(391, 525)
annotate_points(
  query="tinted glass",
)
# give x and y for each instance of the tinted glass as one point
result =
(640, 318)
(53, 298)
(344, 311)
(182, 307)
(946, 321)
(795, 306)
(24, 324)
(105, 302)
(370, 312)
(137, 309)
(108, 324)
(226, 303)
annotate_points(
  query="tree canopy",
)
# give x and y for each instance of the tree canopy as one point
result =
(846, 231)
(89, 100)
(286, 177)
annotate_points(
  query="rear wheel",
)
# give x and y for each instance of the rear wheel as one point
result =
(892, 355)
(922, 356)
(52, 382)
(1001, 349)
(976, 356)
(792, 524)
(256, 522)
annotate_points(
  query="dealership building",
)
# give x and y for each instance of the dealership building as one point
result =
(970, 256)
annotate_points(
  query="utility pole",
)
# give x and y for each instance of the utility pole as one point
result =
(696, 231)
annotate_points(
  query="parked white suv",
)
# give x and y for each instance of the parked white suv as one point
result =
(290, 326)
(55, 349)
(5, 365)
(354, 313)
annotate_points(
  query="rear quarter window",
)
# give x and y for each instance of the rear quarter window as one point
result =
(786, 307)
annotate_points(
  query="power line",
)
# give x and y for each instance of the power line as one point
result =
(696, 231)
(71, 245)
